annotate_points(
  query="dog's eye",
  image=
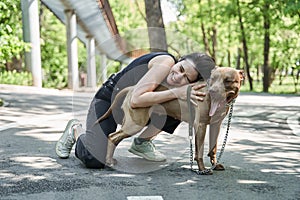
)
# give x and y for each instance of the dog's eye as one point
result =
(228, 80)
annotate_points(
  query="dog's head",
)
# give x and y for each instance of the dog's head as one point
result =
(223, 86)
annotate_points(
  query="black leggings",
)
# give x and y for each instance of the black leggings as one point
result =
(91, 146)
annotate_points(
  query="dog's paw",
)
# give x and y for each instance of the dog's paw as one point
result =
(219, 167)
(111, 162)
(205, 172)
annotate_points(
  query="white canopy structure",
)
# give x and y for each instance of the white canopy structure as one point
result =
(91, 21)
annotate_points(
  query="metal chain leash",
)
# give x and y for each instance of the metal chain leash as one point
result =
(189, 90)
(209, 170)
(227, 130)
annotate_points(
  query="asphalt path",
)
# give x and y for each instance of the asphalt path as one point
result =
(262, 155)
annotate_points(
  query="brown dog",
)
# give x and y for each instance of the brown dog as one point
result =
(223, 87)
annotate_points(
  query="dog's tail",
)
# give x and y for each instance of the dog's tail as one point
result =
(114, 104)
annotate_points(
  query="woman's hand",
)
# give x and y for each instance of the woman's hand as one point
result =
(196, 95)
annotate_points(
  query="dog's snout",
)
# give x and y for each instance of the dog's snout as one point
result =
(231, 92)
(214, 93)
(230, 95)
(216, 90)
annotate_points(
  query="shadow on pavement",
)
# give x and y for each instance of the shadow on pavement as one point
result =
(262, 156)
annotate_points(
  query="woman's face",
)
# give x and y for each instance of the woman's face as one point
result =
(182, 73)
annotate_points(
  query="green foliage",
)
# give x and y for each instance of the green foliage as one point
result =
(290, 7)
(113, 67)
(183, 36)
(221, 15)
(286, 87)
(53, 46)
(11, 42)
(15, 78)
(129, 16)
(54, 51)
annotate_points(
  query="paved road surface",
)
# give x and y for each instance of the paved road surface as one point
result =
(262, 156)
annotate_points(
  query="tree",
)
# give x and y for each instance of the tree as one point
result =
(270, 28)
(155, 24)
(131, 23)
(266, 17)
(210, 32)
(245, 48)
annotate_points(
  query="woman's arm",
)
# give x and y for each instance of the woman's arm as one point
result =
(144, 94)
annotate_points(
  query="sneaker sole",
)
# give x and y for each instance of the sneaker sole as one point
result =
(70, 123)
(144, 156)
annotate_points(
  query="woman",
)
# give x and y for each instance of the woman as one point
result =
(146, 73)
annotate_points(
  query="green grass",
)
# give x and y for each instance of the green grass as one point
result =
(287, 86)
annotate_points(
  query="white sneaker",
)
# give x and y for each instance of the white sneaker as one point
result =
(67, 140)
(147, 150)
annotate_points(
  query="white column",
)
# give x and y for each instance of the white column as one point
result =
(103, 67)
(73, 74)
(91, 63)
(31, 34)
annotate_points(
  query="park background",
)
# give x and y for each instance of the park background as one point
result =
(262, 156)
(260, 36)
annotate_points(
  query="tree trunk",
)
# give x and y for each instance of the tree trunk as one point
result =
(266, 78)
(229, 58)
(245, 49)
(257, 73)
(214, 42)
(297, 80)
(205, 41)
(229, 44)
(212, 32)
(155, 24)
(238, 59)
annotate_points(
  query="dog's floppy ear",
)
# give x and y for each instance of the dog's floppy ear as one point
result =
(242, 74)
(213, 70)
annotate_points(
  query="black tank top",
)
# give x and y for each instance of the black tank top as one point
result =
(129, 76)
